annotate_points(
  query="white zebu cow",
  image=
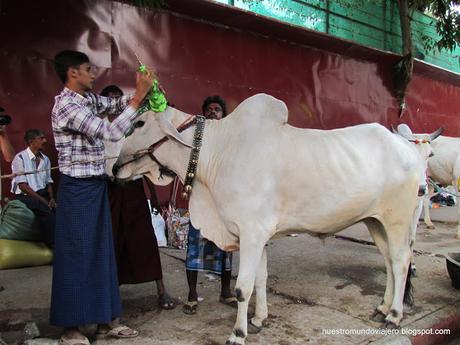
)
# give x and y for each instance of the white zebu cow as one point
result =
(422, 142)
(444, 167)
(259, 178)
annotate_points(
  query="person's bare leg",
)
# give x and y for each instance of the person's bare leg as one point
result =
(164, 300)
(226, 279)
(192, 280)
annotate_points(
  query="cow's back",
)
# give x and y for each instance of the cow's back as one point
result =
(312, 179)
(446, 154)
(335, 178)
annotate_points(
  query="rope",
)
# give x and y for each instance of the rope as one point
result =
(438, 189)
(54, 168)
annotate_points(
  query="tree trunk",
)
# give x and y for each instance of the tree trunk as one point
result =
(404, 20)
(403, 69)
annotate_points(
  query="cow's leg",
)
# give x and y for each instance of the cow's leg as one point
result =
(457, 201)
(413, 232)
(377, 232)
(255, 325)
(400, 259)
(426, 207)
(251, 250)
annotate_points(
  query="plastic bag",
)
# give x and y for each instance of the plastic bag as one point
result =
(159, 226)
(17, 222)
(177, 221)
(16, 254)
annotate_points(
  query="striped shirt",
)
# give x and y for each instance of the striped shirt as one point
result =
(79, 132)
(26, 161)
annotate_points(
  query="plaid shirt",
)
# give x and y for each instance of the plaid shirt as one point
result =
(79, 132)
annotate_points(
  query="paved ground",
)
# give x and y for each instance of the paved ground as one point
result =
(314, 288)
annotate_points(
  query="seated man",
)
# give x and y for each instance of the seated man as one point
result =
(35, 189)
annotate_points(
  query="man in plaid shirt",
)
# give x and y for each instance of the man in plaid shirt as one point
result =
(85, 284)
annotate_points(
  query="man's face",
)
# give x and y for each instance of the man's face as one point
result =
(38, 143)
(84, 76)
(214, 111)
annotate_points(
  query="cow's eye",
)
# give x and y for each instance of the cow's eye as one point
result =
(139, 124)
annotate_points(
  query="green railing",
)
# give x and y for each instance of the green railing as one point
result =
(373, 23)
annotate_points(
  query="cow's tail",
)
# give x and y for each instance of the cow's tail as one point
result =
(409, 290)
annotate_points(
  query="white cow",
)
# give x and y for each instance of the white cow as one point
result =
(422, 142)
(444, 167)
(259, 178)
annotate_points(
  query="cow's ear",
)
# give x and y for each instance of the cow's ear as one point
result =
(403, 130)
(171, 131)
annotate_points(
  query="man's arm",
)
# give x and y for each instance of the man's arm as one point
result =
(81, 119)
(5, 145)
(49, 183)
(52, 201)
(24, 187)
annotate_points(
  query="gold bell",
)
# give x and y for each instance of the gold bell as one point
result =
(184, 195)
(191, 175)
(188, 188)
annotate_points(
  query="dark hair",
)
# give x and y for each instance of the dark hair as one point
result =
(67, 59)
(214, 99)
(111, 89)
(31, 134)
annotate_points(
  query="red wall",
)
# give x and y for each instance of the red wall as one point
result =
(326, 82)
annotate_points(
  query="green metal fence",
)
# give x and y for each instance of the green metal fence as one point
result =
(373, 23)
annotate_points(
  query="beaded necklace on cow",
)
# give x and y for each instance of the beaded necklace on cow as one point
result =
(194, 155)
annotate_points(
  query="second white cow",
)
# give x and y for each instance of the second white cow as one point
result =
(444, 167)
(259, 178)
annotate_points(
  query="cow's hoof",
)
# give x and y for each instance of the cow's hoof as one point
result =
(431, 227)
(253, 329)
(228, 342)
(391, 325)
(378, 316)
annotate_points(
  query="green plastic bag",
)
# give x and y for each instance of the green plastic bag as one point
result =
(17, 222)
(16, 254)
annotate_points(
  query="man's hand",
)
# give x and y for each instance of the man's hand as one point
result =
(52, 204)
(2, 130)
(144, 81)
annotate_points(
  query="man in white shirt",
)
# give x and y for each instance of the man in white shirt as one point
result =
(35, 188)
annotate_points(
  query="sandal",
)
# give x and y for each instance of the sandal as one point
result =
(231, 301)
(73, 341)
(190, 307)
(166, 302)
(117, 332)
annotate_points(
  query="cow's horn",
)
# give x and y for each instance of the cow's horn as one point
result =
(437, 133)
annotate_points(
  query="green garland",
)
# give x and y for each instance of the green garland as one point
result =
(156, 100)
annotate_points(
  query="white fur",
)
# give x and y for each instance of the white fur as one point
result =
(444, 167)
(259, 178)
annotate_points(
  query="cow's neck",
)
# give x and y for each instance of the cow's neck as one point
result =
(174, 155)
